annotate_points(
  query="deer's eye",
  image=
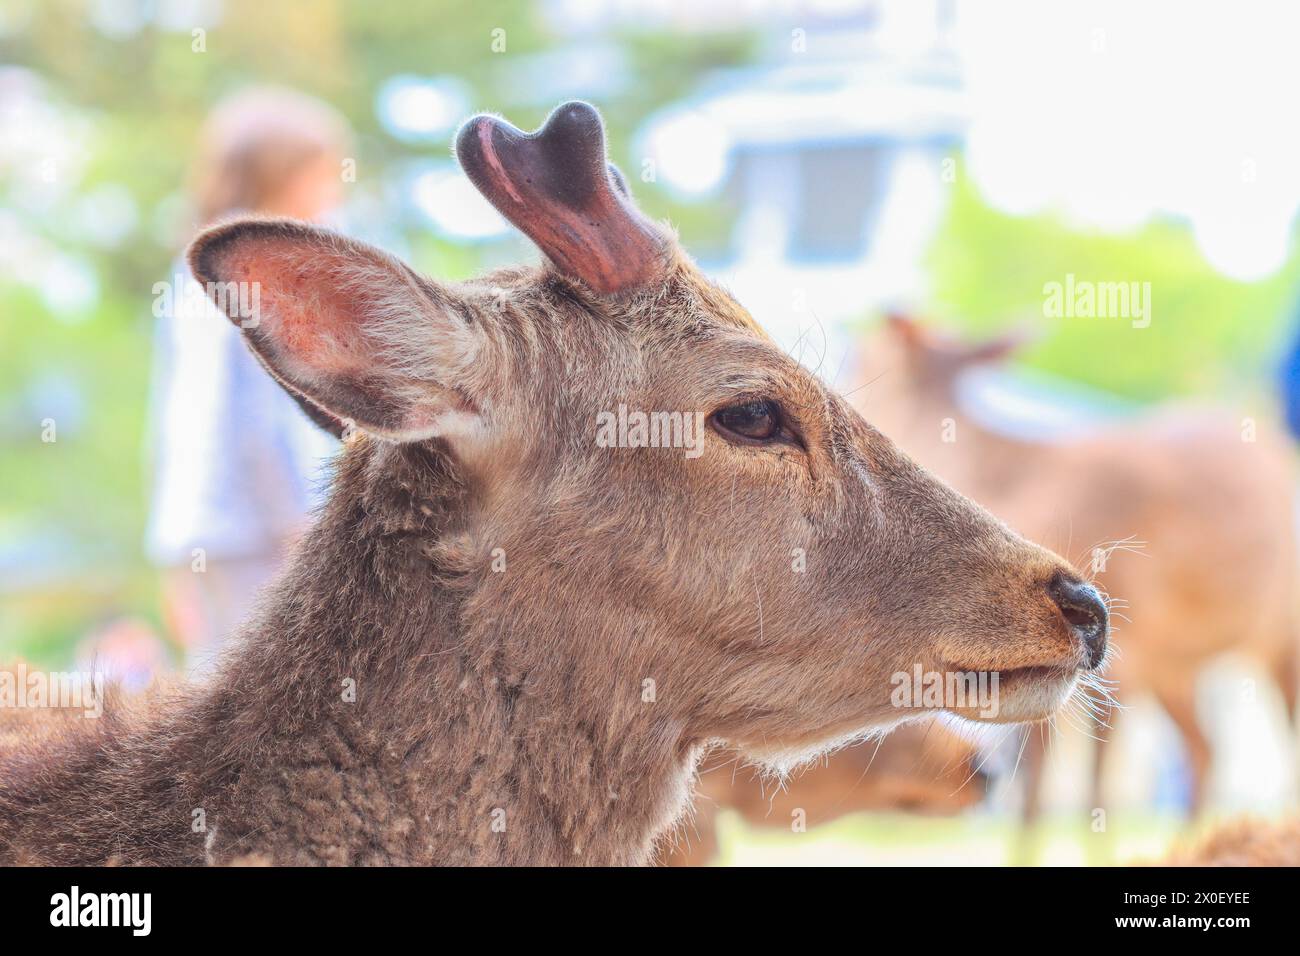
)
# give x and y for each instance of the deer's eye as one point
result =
(758, 421)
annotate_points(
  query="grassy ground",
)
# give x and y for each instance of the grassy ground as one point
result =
(971, 840)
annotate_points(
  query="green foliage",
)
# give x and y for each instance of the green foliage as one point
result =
(1208, 336)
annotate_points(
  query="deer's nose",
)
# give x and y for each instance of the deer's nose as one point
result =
(1085, 612)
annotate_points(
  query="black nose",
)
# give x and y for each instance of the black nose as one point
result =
(1085, 612)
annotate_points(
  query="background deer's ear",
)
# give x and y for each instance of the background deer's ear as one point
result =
(908, 330)
(1003, 346)
(557, 186)
(343, 325)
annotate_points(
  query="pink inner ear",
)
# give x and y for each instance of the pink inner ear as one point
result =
(336, 320)
(310, 312)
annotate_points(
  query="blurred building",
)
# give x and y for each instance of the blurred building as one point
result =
(838, 154)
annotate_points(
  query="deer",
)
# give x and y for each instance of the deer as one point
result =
(504, 642)
(1186, 511)
(921, 767)
(1242, 841)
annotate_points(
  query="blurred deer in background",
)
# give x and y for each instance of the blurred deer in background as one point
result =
(1185, 517)
(922, 767)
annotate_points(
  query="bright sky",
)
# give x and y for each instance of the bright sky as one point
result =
(1109, 112)
(1112, 112)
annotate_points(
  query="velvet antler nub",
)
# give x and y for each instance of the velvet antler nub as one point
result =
(556, 185)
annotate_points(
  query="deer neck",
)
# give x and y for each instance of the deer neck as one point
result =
(472, 697)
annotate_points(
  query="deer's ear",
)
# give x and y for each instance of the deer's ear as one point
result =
(908, 330)
(343, 325)
(1002, 347)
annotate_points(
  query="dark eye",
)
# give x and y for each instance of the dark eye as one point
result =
(752, 421)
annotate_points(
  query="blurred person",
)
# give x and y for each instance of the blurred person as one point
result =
(237, 463)
(126, 649)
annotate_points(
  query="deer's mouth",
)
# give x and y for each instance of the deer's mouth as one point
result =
(1036, 673)
(1019, 694)
(1035, 693)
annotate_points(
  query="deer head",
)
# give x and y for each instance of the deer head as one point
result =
(928, 359)
(916, 373)
(771, 573)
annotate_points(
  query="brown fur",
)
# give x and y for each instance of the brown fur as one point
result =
(1242, 843)
(518, 696)
(916, 768)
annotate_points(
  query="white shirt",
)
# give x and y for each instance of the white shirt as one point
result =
(237, 464)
